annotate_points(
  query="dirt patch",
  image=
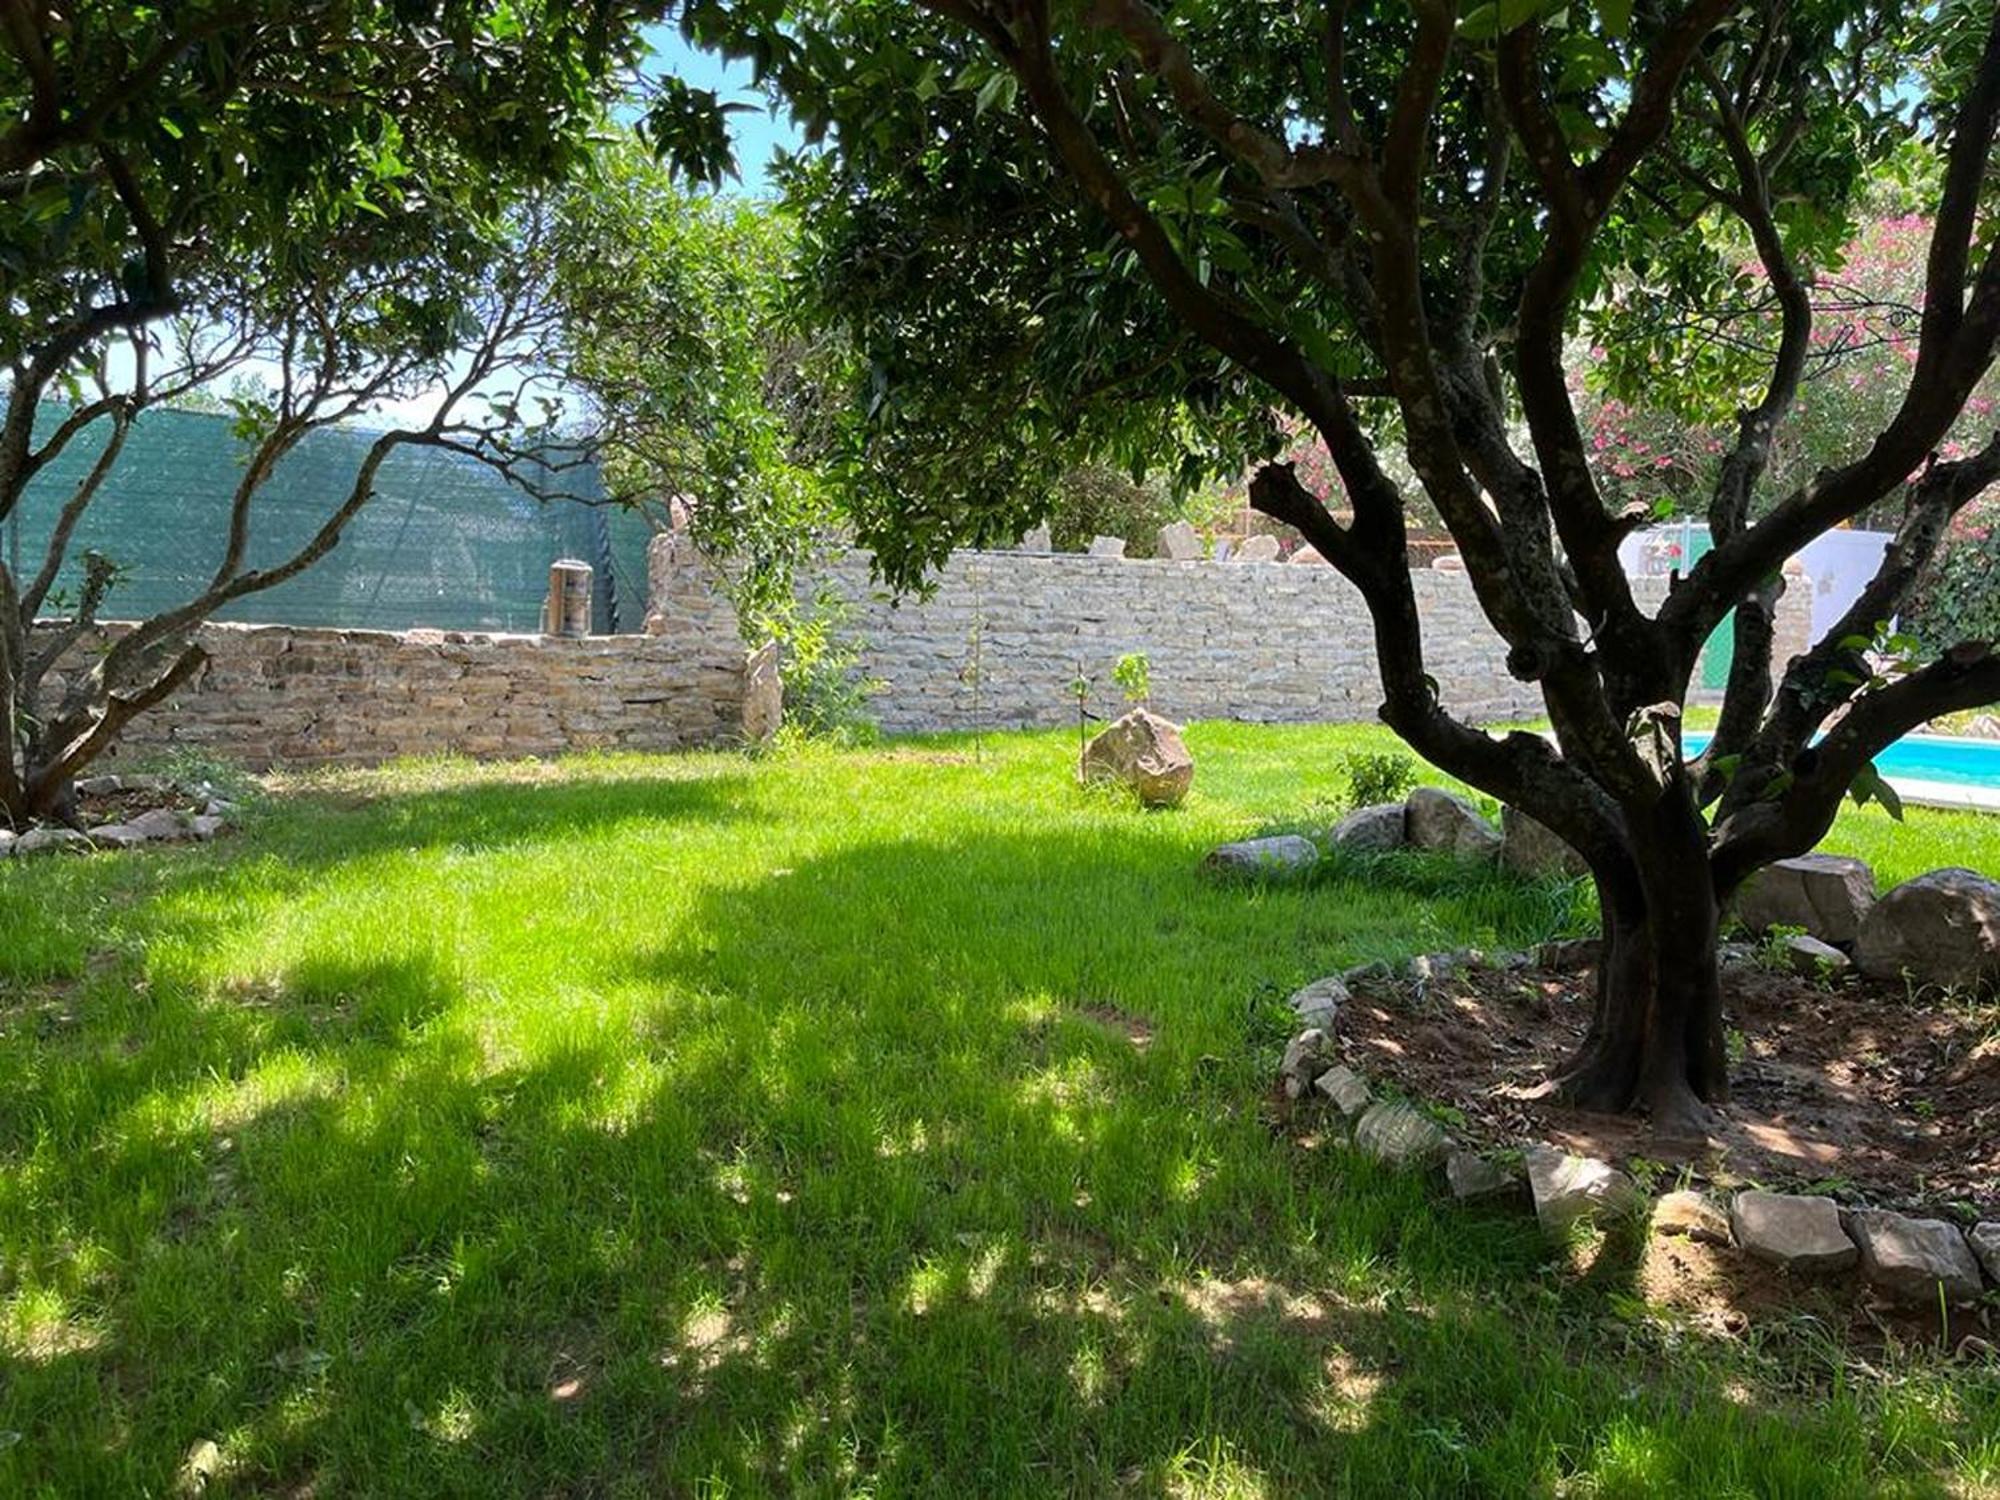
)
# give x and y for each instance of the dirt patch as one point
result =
(1135, 1029)
(1858, 1089)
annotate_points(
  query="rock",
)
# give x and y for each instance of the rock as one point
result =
(99, 786)
(1695, 1215)
(1471, 1175)
(1569, 1190)
(1792, 1232)
(1735, 955)
(1179, 542)
(203, 1463)
(1439, 820)
(1346, 1089)
(1826, 894)
(1286, 854)
(1144, 752)
(1368, 829)
(117, 836)
(1910, 1259)
(1318, 1004)
(1307, 1055)
(217, 808)
(1400, 1135)
(1257, 549)
(1037, 540)
(45, 840)
(1942, 928)
(1374, 973)
(205, 828)
(1812, 959)
(7, 838)
(1107, 546)
(1984, 1240)
(1529, 848)
(1568, 954)
(162, 825)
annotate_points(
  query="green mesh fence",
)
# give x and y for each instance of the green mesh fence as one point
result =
(445, 542)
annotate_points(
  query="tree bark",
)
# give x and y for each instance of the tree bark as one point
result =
(1656, 1038)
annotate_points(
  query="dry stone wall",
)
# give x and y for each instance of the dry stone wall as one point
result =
(1006, 632)
(286, 695)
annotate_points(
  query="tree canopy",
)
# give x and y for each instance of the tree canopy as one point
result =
(327, 199)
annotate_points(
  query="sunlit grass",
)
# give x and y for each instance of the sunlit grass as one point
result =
(835, 1122)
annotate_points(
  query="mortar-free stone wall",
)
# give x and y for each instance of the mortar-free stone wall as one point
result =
(1264, 642)
(294, 696)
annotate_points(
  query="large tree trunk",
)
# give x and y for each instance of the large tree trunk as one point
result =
(1655, 1038)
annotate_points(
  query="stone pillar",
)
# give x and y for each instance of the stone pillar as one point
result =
(567, 609)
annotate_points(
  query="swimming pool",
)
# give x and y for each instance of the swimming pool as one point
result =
(1938, 769)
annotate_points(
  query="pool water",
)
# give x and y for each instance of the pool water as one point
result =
(1941, 758)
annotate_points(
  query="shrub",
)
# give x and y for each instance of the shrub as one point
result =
(826, 692)
(1959, 598)
(1378, 777)
(1134, 676)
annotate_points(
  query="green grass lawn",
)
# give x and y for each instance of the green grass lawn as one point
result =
(881, 1122)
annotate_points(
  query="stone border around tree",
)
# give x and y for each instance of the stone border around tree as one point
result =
(159, 825)
(1912, 1261)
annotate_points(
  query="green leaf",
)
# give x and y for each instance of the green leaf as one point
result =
(1869, 786)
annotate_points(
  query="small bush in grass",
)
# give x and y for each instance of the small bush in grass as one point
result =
(1374, 777)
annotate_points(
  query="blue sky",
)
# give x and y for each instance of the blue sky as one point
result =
(756, 131)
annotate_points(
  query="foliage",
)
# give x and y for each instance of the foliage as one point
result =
(314, 211)
(1094, 499)
(1959, 599)
(1377, 777)
(1659, 443)
(1211, 228)
(826, 689)
(1134, 676)
(705, 401)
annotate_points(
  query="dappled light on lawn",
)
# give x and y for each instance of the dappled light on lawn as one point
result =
(814, 1122)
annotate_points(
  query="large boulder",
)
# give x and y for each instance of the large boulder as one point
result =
(1370, 829)
(1439, 820)
(1913, 1260)
(1144, 752)
(1941, 928)
(1531, 849)
(1827, 895)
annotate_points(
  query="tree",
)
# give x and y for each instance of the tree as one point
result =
(320, 197)
(703, 398)
(1387, 221)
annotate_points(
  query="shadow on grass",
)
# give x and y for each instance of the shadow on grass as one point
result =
(925, 1167)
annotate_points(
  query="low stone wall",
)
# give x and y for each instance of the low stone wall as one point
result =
(286, 695)
(1004, 634)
